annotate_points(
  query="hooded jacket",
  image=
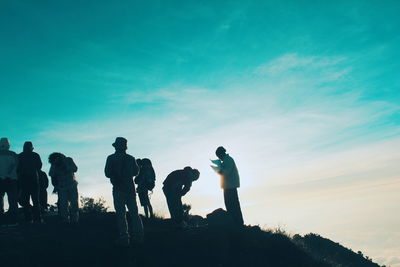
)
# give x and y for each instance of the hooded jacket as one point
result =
(8, 165)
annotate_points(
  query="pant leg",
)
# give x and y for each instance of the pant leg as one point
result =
(136, 222)
(178, 208)
(63, 205)
(34, 193)
(73, 198)
(24, 201)
(119, 199)
(12, 195)
(174, 201)
(43, 198)
(170, 203)
(232, 205)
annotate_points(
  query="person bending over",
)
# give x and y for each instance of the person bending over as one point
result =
(176, 185)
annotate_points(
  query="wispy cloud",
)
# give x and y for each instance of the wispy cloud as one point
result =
(304, 137)
(295, 62)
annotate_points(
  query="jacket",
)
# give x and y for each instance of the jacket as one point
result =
(178, 181)
(121, 168)
(229, 173)
(63, 175)
(29, 165)
(8, 165)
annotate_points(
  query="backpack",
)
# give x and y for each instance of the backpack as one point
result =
(149, 177)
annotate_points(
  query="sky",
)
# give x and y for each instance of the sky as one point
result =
(304, 95)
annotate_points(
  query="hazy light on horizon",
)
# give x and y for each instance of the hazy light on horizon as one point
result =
(306, 102)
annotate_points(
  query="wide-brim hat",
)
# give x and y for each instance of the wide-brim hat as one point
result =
(120, 142)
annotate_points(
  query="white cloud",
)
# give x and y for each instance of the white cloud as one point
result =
(284, 131)
(293, 61)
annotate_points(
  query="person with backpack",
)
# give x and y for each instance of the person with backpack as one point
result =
(146, 182)
(43, 185)
(176, 185)
(120, 169)
(62, 173)
(28, 175)
(229, 183)
(9, 179)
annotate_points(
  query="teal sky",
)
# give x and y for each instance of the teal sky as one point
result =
(305, 95)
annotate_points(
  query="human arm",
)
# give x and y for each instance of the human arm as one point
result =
(52, 174)
(108, 168)
(38, 163)
(186, 187)
(109, 171)
(44, 179)
(135, 169)
(227, 166)
(139, 177)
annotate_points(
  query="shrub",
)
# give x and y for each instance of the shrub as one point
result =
(91, 205)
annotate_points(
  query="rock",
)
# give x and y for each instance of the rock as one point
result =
(220, 218)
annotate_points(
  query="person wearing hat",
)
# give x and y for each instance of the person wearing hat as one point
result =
(62, 173)
(9, 178)
(229, 183)
(120, 168)
(176, 185)
(28, 174)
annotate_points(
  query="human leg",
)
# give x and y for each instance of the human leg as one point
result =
(145, 202)
(150, 207)
(63, 205)
(119, 199)
(34, 192)
(43, 198)
(24, 201)
(136, 222)
(142, 201)
(150, 210)
(178, 208)
(232, 205)
(73, 197)
(12, 195)
(172, 204)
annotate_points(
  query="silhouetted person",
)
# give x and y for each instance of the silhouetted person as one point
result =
(121, 168)
(29, 165)
(176, 185)
(62, 173)
(229, 183)
(43, 185)
(9, 178)
(146, 182)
